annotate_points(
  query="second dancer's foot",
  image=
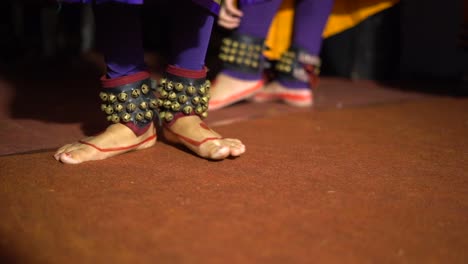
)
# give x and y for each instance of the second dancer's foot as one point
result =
(227, 90)
(275, 91)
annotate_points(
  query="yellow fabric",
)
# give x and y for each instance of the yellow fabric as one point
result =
(345, 14)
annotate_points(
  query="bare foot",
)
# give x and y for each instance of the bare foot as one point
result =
(274, 91)
(115, 140)
(227, 90)
(198, 137)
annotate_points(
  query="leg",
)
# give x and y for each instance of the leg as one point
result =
(183, 94)
(126, 95)
(309, 21)
(239, 80)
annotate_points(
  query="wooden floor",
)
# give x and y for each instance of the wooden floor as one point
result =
(373, 174)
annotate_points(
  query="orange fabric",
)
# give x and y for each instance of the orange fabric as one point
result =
(345, 14)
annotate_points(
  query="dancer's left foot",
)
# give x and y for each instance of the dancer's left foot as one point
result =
(192, 132)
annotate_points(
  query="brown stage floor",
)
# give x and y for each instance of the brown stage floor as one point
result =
(373, 174)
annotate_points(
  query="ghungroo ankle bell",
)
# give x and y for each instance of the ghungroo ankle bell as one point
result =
(179, 96)
(243, 53)
(297, 64)
(133, 102)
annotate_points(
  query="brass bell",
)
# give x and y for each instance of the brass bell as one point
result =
(169, 86)
(242, 53)
(187, 110)
(163, 94)
(112, 98)
(225, 49)
(235, 44)
(191, 90)
(153, 103)
(179, 87)
(126, 117)
(243, 46)
(204, 100)
(195, 100)
(149, 115)
(183, 99)
(250, 48)
(103, 96)
(172, 96)
(247, 62)
(122, 96)
(202, 90)
(204, 114)
(109, 110)
(162, 115)
(175, 107)
(199, 110)
(258, 48)
(222, 57)
(115, 118)
(167, 104)
(145, 88)
(233, 51)
(139, 116)
(239, 60)
(254, 64)
(207, 83)
(231, 58)
(227, 41)
(103, 107)
(163, 81)
(205, 107)
(143, 105)
(118, 108)
(160, 102)
(131, 107)
(287, 68)
(135, 93)
(168, 117)
(109, 118)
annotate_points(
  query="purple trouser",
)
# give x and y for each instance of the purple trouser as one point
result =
(309, 21)
(119, 36)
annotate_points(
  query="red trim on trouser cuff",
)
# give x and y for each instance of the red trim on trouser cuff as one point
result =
(136, 129)
(186, 73)
(111, 83)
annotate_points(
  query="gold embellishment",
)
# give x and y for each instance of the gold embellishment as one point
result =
(179, 87)
(149, 115)
(103, 96)
(131, 107)
(118, 108)
(167, 104)
(143, 105)
(109, 110)
(153, 103)
(175, 106)
(172, 96)
(191, 90)
(187, 110)
(139, 116)
(163, 94)
(169, 86)
(195, 100)
(145, 88)
(115, 118)
(199, 110)
(204, 115)
(123, 96)
(135, 93)
(126, 117)
(103, 107)
(183, 99)
(112, 98)
(168, 116)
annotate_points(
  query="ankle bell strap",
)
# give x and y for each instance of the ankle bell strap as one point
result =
(129, 100)
(243, 53)
(180, 96)
(297, 64)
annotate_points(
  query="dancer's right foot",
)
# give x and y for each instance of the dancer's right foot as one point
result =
(115, 140)
(227, 90)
